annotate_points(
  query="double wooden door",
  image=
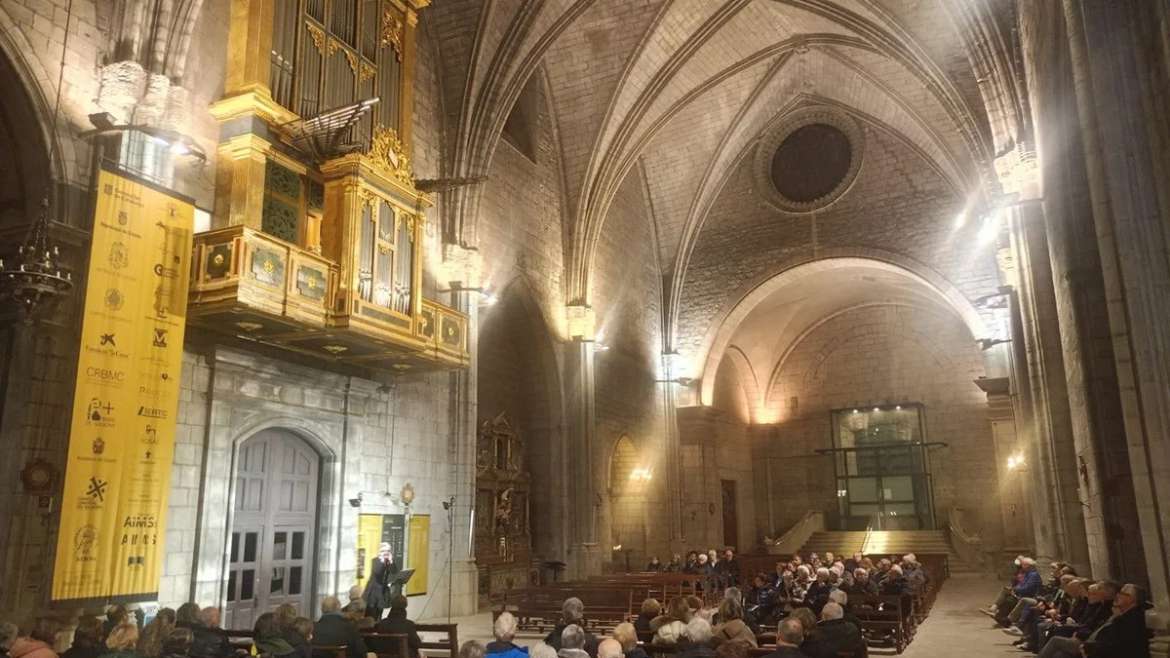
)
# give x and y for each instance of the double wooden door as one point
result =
(271, 560)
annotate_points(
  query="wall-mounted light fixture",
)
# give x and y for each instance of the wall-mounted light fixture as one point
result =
(1015, 462)
(486, 296)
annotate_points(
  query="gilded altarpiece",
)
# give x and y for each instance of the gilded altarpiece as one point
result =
(503, 535)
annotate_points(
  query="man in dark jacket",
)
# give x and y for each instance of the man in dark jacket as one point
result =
(333, 629)
(1123, 636)
(789, 637)
(833, 635)
(572, 614)
(207, 641)
(382, 571)
(397, 623)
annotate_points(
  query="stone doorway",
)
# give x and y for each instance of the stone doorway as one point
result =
(271, 556)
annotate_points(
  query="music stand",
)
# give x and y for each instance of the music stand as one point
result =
(398, 582)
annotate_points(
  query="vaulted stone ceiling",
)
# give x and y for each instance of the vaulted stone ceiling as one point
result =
(682, 89)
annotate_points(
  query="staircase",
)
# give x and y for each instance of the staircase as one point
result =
(887, 542)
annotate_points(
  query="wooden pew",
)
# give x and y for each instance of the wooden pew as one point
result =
(388, 645)
(447, 644)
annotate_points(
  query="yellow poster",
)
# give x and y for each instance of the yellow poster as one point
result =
(122, 432)
(369, 539)
(418, 555)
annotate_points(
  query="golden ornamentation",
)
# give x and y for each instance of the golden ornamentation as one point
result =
(353, 61)
(366, 72)
(332, 46)
(318, 36)
(249, 326)
(388, 154)
(392, 30)
(334, 349)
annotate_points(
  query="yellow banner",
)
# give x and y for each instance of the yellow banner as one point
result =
(418, 555)
(122, 432)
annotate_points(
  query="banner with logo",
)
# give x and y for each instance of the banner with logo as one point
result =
(122, 432)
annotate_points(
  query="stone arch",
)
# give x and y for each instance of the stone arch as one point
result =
(629, 481)
(751, 295)
(519, 372)
(39, 87)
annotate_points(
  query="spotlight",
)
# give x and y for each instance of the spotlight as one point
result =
(877, 408)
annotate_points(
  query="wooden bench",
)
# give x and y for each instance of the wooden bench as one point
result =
(388, 645)
(447, 644)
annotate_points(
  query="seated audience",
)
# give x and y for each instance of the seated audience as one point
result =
(697, 642)
(733, 650)
(333, 629)
(151, 639)
(504, 631)
(122, 641)
(572, 642)
(541, 650)
(356, 602)
(862, 585)
(732, 626)
(177, 643)
(39, 642)
(209, 641)
(88, 639)
(115, 614)
(473, 649)
(670, 634)
(609, 648)
(833, 635)
(675, 565)
(789, 638)
(627, 636)
(654, 564)
(396, 622)
(818, 592)
(572, 614)
(303, 626)
(268, 639)
(806, 619)
(677, 610)
(894, 583)
(651, 609)
(1124, 635)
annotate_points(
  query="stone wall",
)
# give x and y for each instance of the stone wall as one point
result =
(884, 355)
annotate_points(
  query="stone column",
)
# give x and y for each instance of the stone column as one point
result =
(1119, 70)
(462, 267)
(580, 415)
(670, 448)
(1094, 402)
(1060, 533)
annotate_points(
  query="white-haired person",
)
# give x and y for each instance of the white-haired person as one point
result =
(541, 650)
(862, 585)
(504, 631)
(833, 635)
(895, 583)
(572, 614)
(1027, 585)
(572, 643)
(378, 593)
(789, 637)
(627, 636)
(609, 648)
(697, 639)
(818, 592)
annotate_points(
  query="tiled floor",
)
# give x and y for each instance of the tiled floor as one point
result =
(955, 628)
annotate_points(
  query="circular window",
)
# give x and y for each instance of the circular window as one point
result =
(811, 162)
(808, 159)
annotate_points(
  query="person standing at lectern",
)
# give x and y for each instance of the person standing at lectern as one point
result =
(382, 571)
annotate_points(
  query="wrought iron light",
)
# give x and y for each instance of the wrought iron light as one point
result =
(36, 276)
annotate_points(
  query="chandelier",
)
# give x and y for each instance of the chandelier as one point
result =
(35, 278)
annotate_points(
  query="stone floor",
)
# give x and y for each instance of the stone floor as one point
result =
(955, 628)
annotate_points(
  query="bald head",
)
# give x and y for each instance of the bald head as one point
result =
(790, 632)
(610, 648)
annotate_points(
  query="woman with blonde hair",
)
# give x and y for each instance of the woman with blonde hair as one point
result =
(150, 643)
(627, 636)
(122, 641)
(678, 609)
(733, 627)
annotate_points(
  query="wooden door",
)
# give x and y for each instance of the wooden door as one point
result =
(730, 514)
(272, 538)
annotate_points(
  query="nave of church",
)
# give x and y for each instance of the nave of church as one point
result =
(450, 308)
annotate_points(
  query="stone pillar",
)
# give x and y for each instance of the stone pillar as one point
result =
(580, 414)
(1094, 402)
(1120, 70)
(1060, 533)
(670, 448)
(462, 267)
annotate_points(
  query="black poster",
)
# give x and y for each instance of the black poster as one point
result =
(394, 533)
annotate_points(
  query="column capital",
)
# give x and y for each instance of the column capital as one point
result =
(1018, 171)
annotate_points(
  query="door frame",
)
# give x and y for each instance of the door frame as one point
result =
(328, 513)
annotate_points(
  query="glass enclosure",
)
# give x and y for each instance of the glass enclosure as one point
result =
(882, 468)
